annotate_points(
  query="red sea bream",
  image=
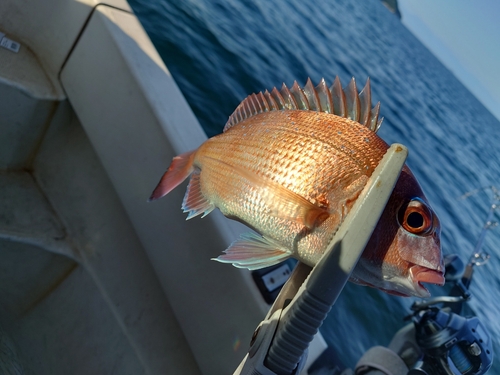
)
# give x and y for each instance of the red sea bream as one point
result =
(290, 164)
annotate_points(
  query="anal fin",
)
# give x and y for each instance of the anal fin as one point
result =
(194, 202)
(252, 251)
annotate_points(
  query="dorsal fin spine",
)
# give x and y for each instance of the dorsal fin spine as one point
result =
(256, 104)
(378, 124)
(346, 102)
(271, 101)
(365, 104)
(278, 98)
(263, 101)
(238, 116)
(352, 100)
(289, 99)
(312, 96)
(299, 96)
(251, 105)
(374, 125)
(338, 98)
(325, 96)
(242, 109)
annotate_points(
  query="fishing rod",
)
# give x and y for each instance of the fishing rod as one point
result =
(460, 273)
(479, 257)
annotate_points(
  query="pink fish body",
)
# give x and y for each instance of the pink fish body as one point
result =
(290, 165)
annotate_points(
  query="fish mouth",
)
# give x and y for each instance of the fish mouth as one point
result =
(419, 275)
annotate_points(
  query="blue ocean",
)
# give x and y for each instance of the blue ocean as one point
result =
(219, 51)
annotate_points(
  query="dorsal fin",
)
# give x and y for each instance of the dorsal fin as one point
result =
(345, 102)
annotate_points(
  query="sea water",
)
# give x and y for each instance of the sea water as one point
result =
(221, 51)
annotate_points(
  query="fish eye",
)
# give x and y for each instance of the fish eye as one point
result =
(415, 217)
(415, 220)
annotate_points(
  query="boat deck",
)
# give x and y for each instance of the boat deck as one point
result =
(93, 279)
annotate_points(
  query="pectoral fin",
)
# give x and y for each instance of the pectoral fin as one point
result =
(285, 204)
(252, 251)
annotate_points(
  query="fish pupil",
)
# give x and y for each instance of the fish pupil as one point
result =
(415, 220)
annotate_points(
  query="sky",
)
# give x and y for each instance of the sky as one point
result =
(465, 36)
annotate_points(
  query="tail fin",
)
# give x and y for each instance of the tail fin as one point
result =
(180, 168)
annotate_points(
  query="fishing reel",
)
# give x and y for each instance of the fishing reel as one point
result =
(451, 344)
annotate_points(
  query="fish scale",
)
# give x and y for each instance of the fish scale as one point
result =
(290, 164)
(288, 144)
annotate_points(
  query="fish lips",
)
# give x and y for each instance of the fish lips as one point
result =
(419, 275)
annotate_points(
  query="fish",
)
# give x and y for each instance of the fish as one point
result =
(290, 164)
